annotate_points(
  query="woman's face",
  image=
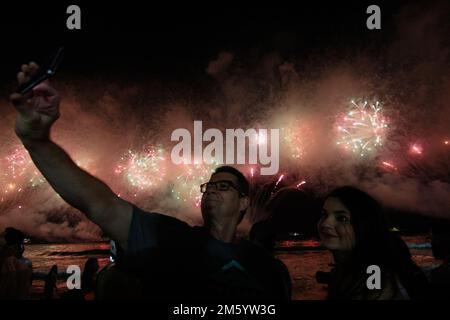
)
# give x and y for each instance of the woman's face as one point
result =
(335, 228)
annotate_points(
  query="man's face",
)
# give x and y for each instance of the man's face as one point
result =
(223, 204)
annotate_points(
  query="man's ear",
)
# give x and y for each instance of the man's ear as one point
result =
(244, 202)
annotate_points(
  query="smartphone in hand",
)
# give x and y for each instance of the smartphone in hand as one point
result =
(43, 75)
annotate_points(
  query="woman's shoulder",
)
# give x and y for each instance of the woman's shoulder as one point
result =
(381, 284)
(385, 287)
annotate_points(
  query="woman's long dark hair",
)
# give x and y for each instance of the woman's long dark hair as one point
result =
(375, 244)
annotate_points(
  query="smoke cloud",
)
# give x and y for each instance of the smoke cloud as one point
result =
(409, 76)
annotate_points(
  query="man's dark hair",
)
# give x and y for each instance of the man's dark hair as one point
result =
(243, 185)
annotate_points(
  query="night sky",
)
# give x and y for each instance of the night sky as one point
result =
(178, 40)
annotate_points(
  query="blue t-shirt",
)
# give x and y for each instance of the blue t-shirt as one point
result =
(175, 260)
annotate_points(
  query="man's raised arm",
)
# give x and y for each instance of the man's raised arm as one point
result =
(36, 113)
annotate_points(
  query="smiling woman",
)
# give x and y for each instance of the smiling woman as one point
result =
(355, 230)
(336, 230)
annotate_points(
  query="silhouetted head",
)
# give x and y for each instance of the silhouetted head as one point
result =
(89, 276)
(91, 266)
(292, 210)
(264, 234)
(54, 269)
(14, 238)
(440, 239)
(226, 195)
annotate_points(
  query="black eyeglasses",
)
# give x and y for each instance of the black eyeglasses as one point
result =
(221, 185)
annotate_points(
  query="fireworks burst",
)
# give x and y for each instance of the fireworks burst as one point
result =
(36, 179)
(300, 184)
(143, 170)
(17, 163)
(388, 165)
(251, 175)
(297, 137)
(261, 138)
(416, 149)
(363, 128)
(276, 184)
(279, 180)
(187, 185)
(19, 172)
